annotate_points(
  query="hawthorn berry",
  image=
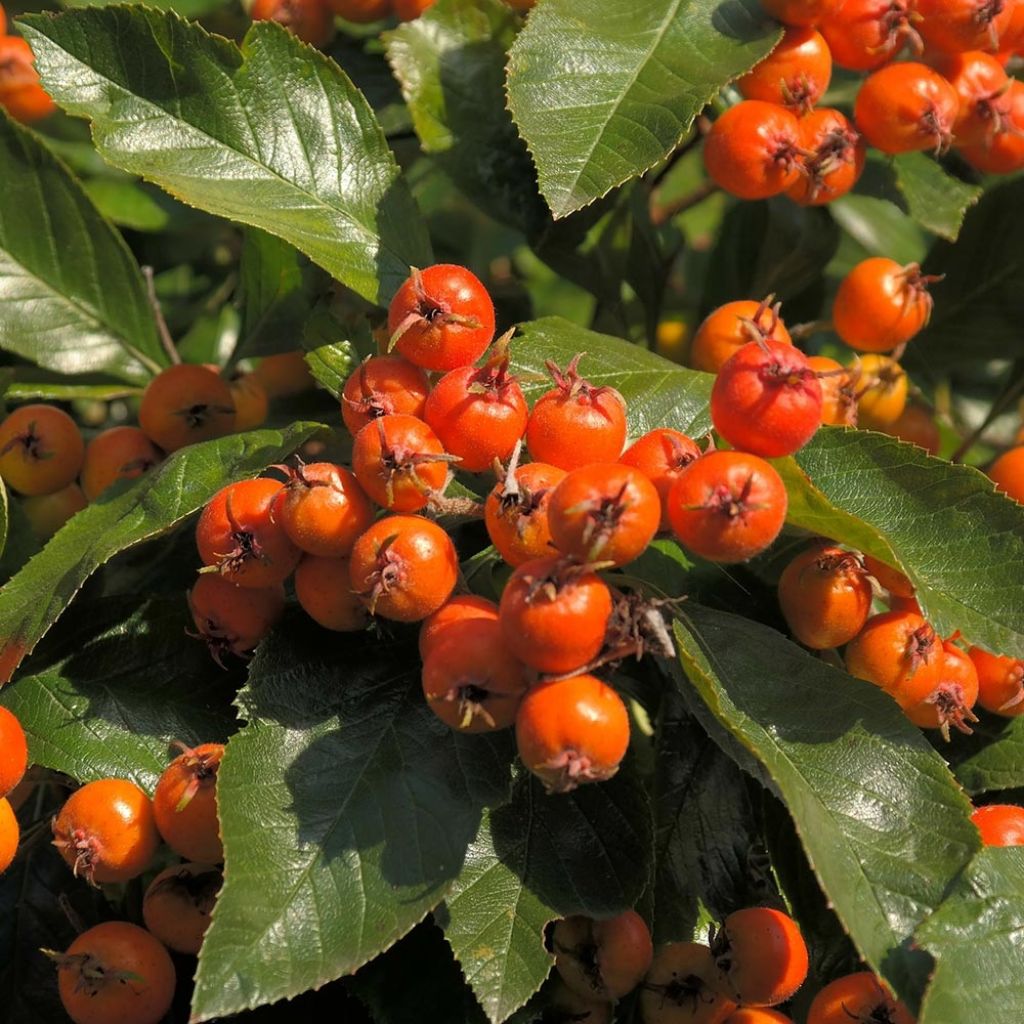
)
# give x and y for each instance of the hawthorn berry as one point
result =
(760, 957)
(832, 158)
(799, 12)
(576, 423)
(323, 588)
(10, 834)
(1000, 682)
(400, 462)
(13, 752)
(857, 999)
(956, 693)
(863, 35)
(554, 614)
(250, 400)
(795, 74)
(916, 425)
(232, 619)
(1002, 152)
(185, 404)
(905, 107)
(605, 512)
(471, 679)
(47, 513)
(1000, 824)
(324, 509)
(728, 328)
(185, 804)
(516, 512)
(953, 26)
(41, 449)
(980, 82)
(383, 386)
(361, 12)
(757, 1015)
(310, 20)
(1007, 473)
(678, 989)
(409, 10)
(728, 506)
(564, 1006)
(240, 533)
(178, 903)
(404, 568)
(106, 831)
(661, 455)
(899, 652)
(602, 959)
(284, 374)
(20, 91)
(120, 453)
(450, 619)
(881, 387)
(115, 972)
(880, 304)
(891, 579)
(441, 318)
(752, 150)
(825, 596)
(766, 399)
(572, 731)
(838, 396)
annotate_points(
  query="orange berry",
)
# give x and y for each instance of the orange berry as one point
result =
(178, 904)
(323, 587)
(185, 404)
(185, 804)
(41, 449)
(120, 453)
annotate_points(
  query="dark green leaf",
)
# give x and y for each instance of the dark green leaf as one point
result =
(879, 227)
(116, 687)
(273, 135)
(884, 824)
(71, 295)
(601, 92)
(330, 353)
(975, 937)
(347, 808)
(33, 600)
(451, 65)
(186, 8)
(993, 757)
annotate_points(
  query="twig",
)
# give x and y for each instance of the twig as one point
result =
(662, 213)
(166, 341)
(1003, 402)
(700, 128)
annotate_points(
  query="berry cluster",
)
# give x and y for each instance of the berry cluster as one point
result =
(775, 141)
(20, 92)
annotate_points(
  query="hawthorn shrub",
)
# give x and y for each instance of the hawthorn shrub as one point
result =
(320, 325)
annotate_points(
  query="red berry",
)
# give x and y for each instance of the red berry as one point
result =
(324, 509)
(838, 395)
(382, 386)
(833, 160)
(323, 588)
(516, 512)
(730, 327)
(233, 619)
(799, 12)
(866, 34)
(1000, 824)
(448, 620)
(980, 82)
(950, 703)
(661, 455)
(796, 73)
(953, 26)
(310, 20)
(1002, 152)
(1000, 682)
(906, 107)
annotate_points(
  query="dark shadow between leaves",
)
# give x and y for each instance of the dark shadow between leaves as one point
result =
(742, 20)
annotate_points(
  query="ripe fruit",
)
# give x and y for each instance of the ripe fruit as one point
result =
(728, 506)
(899, 652)
(324, 509)
(13, 752)
(233, 619)
(250, 400)
(471, 680)
(825, 596)
(760, 956)
(916, 425)
(114, 972)
(857, 999)
(1002, 152)
(865, 34)
(404, 568)
(1000, 682)
(757, 1015)
(185, 404)
(178, 904)
(284, 374)
(833, 157)
(450, 618)
(950, 703)
(980, 82)
(571, 732)
(400, 462)
(478, 414)
(880, 304)
(554, 613)
(41, 449)
(728, 328)
(677, 989)
(952, 26)
(606, 512)
(564, 1005)
(796, 73)
(309, 20)
(47, 513)
(891, 579)
(20, 91)
(516, 512)
(661, 455)
(120, 453)
(799, 12)
(240, 534)
(407, 10)
(442, 317)
(766, 399)
(838, 400)
(1007, 473)
(106, 831)
(905, 107)
(323, 587)
(752, 150)
(383, 386)
(576, 423)
(185, 804)
(602, 960)
(10, 834)
(1000, 824)
(881, 390)
(362, 12)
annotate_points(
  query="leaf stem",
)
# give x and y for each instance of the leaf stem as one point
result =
(166, 341)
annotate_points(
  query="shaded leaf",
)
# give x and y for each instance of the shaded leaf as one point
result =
(880, 227)
(273, 135)
(993, 757)
(601, 92)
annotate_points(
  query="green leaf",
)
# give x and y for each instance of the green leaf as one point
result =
(330, 353)
(536, 859)
(658, 393)
(33, 600)
(186, 8)
(879, 227)
(129, 204)
(71, 295)
(51, 391)
(5, 521)
(884, 824)
(975, 939)
(960, 542)
(273, 135)
(602, 92)
(347, 808)
(451, 66)
(993, 757)
(118, 684)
